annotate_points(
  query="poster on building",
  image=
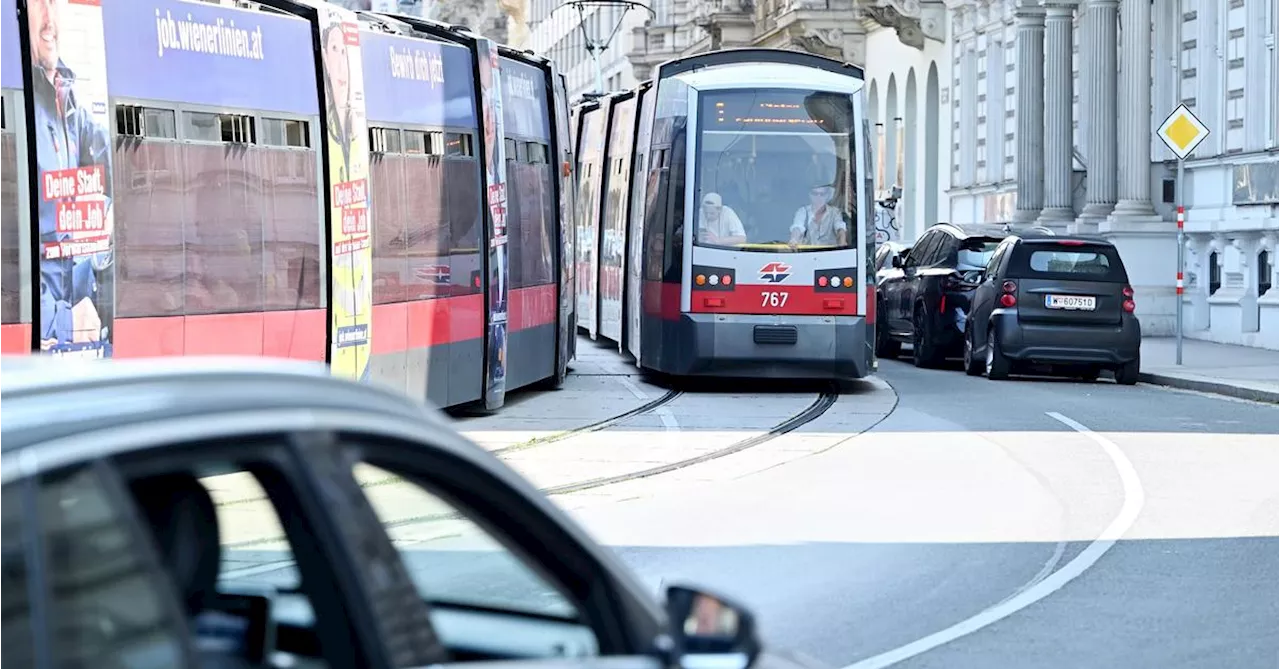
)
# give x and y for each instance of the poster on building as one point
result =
(73, 168)
(495, 170)
(350, 282)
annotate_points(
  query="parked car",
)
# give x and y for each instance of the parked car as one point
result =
(1061, 303)
(884, 258)
(219, 512)
(924, 298)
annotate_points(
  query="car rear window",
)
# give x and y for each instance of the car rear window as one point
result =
(1100, 263)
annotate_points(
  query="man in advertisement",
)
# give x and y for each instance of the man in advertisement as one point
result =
(495, 171)
(73, 160)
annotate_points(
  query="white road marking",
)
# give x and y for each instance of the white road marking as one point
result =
(669, 422)
(635, 390)
(1134, 498)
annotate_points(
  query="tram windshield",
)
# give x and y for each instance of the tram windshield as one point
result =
(775, 170)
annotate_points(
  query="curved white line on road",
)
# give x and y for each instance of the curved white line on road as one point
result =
(1134, 498)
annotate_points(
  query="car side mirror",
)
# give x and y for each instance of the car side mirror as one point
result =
(898, 261)
(706, 624)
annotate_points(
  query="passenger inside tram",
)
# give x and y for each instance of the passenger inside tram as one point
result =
(719, 225)
(819, 223)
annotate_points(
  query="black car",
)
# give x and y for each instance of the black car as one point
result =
(186, 512)
(924, 299)
(1059, 303)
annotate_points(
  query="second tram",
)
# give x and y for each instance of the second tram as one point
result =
(723, 218)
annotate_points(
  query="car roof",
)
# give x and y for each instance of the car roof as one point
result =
(49, 397)
(966, 230)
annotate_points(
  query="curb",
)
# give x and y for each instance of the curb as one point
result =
(1214, 387)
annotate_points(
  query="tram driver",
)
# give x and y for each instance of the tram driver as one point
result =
(718, 224)
(819, 223)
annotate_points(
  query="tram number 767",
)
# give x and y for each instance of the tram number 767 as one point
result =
(771, 298)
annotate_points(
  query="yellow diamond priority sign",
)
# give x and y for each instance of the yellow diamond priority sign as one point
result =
(1182, 132)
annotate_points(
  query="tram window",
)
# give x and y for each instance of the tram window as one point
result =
(4, 113)
(458, 144)
(781, 161)
(285, 132)
(202, 127)
(136, 121)
(10, 283)
(415, 142)
(434, 143)
(509, 146)
(237, 129)
(537, 153)
(385, 140)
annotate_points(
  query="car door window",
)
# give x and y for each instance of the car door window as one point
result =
(450, 557)
(108, 604)
(920, 253)
(994, 263)
(944, 253)
(17, 647)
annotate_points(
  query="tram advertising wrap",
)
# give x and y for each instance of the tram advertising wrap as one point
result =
(495, 161)
(10, 43)
(73, 172)
(352, 252)
(15, 307)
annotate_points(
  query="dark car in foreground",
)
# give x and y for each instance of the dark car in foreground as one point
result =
(924, 299)
(219, 512)
(1054, 304)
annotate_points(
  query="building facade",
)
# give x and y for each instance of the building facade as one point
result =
(1044, 112)
(560, 32)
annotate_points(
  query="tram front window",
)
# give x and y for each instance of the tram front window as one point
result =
(774, 170)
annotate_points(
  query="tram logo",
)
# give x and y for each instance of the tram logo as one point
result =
(775, 272)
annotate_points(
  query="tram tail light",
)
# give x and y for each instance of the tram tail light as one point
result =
(712, 278)
(713, 302)
(838, 280)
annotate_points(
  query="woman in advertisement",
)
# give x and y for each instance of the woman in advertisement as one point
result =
(348, 172)
(73, 161)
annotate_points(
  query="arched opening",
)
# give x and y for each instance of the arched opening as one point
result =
(890, 122)
(911, 168)
(932, 166)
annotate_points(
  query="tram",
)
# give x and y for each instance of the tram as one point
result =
(388, 195)
(723, 222)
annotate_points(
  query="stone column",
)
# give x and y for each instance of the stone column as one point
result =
(1058, 140)
(1030, 114)
(1135, 117)
(1098, 76)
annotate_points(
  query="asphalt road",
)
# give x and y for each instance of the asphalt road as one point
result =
(970, 495)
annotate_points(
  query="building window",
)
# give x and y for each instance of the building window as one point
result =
(1264, 272)
(1215, 273)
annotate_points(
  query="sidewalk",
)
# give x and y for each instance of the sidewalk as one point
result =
(1236, 371)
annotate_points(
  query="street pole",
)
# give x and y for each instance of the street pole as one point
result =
(1182, 213)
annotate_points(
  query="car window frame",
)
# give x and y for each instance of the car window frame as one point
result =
(509, 518)
(993, 265)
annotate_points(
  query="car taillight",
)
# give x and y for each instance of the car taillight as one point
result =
(1127, 292)
(1129, 306)
(1008, 299)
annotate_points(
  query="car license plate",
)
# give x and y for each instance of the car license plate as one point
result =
(1072, 302)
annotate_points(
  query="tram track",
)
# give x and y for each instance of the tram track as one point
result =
(815, 409)
(667, 398)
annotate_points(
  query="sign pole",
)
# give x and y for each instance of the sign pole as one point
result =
(1182, 132)
(1182, 214)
